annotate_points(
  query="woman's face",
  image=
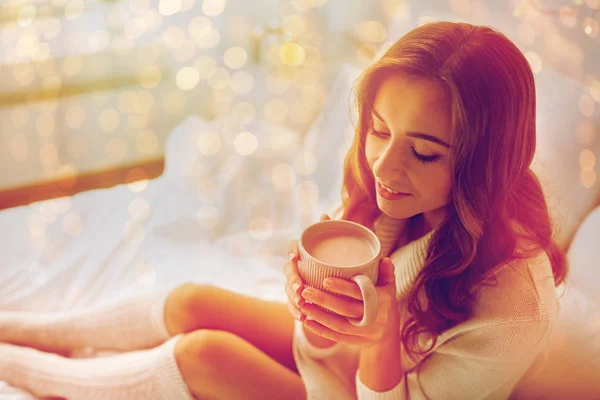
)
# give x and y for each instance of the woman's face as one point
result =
(407, 147)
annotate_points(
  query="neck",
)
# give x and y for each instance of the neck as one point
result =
(432, 219)
(422, 224)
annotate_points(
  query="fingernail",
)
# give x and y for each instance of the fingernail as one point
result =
(295, 286)
(307, 292)
(328, 283)
(291, 256)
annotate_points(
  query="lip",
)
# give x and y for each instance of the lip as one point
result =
(387, 195)
(389, 186)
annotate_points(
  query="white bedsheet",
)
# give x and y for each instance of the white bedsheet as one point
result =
(118, 252)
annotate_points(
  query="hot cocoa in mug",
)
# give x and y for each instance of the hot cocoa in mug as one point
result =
(341, 249)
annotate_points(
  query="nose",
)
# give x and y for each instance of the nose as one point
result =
(391, 163)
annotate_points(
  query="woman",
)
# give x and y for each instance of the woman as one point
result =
(439, 170)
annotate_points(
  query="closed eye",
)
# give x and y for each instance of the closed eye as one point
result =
(419, 157)
(424, 159)
(382, 135)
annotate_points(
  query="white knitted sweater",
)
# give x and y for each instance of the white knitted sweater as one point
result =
(486, 357)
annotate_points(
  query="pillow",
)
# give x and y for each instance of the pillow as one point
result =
(181, 146)
(584, 256)
(187, 165)
(558, 150)
(330, 136)
(573, 365)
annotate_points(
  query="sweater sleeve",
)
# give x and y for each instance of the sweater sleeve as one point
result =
(486, 360)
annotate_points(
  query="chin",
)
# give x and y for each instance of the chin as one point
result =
(398, 211)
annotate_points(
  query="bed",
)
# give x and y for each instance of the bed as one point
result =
(110, 243)
(219, 218)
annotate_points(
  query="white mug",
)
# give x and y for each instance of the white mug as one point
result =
(362, 248)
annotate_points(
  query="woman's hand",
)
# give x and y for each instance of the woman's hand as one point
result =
(294, 284)
(336, 327)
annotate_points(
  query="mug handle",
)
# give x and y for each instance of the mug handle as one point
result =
(369, 295)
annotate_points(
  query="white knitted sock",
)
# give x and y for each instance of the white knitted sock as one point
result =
(129, 324)
(136, 375)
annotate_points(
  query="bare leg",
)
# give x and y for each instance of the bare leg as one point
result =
(237, 346)
(222, 365)
(266, 325)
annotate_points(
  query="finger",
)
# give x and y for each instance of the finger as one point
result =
(338, 323)
(386, 272)
(324, 217)
(293, 295)
(295, 311)
(290, 270)
(292, 247)
(343, 286)
(323, 331)
(340, 305)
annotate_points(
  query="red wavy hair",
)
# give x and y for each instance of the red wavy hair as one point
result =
(493, 190)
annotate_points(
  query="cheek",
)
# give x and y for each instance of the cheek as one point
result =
(436, 185)
(371, 152)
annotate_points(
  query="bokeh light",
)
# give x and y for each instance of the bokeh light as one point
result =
(244, 112)
(283, 176)
(138, 186)
(587, 105)
(75, 116)
(109, 120)
(245, 143)
(587, 178)
(133, 232)
(188, 78)
(139, 209)
(595, 90)
(114, 89)
(242, 82)
(146, 143)
(292, 54)
(212, 8)
(74, 9)
(260, 228)
(292, 24)
(587, 160)
(209, 143)
(586, 131)
(370, 31)
(305, 163)
(534, 61)
(169, 7)
(116, 149)
(208, 217)
(235, 57)
(150, 76)
(72, 224)
(276, 111)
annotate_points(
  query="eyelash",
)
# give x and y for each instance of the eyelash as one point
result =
(419, 157)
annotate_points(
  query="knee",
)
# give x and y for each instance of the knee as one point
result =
(208, 346)
(181, 308)
(201, 355)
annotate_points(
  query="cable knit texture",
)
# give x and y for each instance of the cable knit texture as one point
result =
(133, 325)
(504, 342)
(136, 375)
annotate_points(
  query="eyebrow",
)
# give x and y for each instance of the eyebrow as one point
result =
(419, 135)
